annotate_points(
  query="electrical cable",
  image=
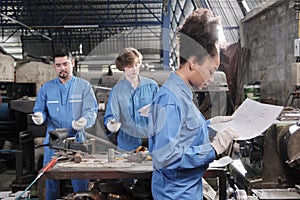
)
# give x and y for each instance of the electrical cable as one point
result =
(43, 170)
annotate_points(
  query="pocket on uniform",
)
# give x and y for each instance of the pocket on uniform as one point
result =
(76, 105)
(192, 123)
(53, 107)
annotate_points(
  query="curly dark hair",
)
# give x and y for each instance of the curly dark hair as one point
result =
(199, 35)
(126, 58)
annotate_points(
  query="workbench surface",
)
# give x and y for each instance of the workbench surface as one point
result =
(98, 167)
(95, 167)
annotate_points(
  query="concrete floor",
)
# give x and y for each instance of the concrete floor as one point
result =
(9, 190)
(7, 175)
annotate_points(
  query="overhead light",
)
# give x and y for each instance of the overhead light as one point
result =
(81, 26)
(245, 4)
(80, 49)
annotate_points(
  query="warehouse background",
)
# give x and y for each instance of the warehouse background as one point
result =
(97, 30)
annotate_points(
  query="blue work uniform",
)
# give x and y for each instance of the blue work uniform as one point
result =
(178, 142)
(60, 105)
(123, 104)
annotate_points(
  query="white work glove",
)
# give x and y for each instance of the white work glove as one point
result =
(220, 119)
(79, 124)
(113, 126)
(223, 138)
(145, 110)
(38, 118)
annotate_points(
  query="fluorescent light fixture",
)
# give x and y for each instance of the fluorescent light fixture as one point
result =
(245, 4)
(81, 26)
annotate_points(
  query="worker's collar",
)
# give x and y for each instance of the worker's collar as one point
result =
(181, 84)
(68, 82)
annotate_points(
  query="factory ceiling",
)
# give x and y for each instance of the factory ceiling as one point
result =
(71, 23)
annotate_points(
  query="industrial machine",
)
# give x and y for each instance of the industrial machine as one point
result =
(295, 82)
(270, 164)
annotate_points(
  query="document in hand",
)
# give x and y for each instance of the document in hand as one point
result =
(251, 119)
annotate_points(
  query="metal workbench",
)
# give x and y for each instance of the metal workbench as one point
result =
(100, 168)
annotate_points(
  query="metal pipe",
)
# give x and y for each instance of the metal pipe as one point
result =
(298, 13)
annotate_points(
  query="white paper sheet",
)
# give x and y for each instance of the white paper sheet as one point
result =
(251, 119)
(222, 162)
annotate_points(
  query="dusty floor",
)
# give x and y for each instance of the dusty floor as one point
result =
(8, 183)
(7, 175)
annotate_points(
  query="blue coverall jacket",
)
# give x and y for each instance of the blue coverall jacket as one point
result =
(60, 105)
(178, 143)
(123, 105)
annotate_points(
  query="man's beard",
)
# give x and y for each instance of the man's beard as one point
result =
(63, 75)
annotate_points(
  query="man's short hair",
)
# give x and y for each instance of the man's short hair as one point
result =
(62, 53)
